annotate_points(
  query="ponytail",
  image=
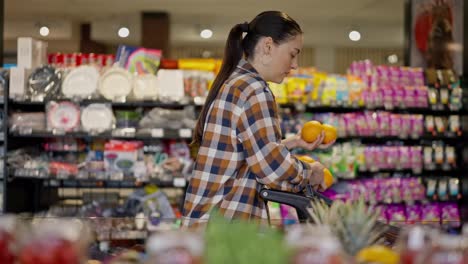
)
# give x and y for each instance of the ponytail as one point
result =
(275, 24)
(232, 55)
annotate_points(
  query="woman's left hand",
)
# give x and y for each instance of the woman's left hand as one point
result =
(296, 141)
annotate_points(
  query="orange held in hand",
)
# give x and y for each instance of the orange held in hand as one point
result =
(306, 158)
(327, 178)
(311, 131)
(330, 134)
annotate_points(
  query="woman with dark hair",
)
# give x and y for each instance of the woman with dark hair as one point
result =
(237, 137)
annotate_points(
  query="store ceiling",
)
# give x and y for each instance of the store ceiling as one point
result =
(187, 16)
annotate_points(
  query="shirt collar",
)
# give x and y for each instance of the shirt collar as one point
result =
(246, 66)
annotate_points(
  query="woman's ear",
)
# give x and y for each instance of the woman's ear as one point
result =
(267, 45)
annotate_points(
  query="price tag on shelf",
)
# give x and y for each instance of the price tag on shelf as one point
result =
(157, 132)
(185, 133)
(179, 182)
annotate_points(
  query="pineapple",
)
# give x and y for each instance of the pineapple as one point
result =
(353, 223)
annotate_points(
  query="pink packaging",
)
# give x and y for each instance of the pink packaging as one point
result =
(413, 214)
(395, 124)
(383, 213)
(405, 128)
(392, 157)
(396, 214)
(421, 94)
(431, 214)
(416, 159)
(380, 157)
(409, 97)
(383, 121)
(371, 120)
(361, 125)
(404, 158)
(418, 76)
(387, 97)
(450, 215)
(417, 125)
(398, 96)
(350, 124)
(369, 159)
(395, 74)
(405, 76)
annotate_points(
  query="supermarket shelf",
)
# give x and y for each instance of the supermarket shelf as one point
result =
(348, 109)
(423, 173)
(173, 105)
(183, 133)
(410, 141)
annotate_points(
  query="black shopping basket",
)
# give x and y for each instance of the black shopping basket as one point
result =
(302, 201)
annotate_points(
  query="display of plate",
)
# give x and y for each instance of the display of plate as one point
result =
(97, 118)
(115, 83)
(81, 82)
(63, 116)
(145, 87)
(44, 82)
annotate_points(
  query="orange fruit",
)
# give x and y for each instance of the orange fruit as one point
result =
(327, 178)
(306, 158)
(311, 131)
(330, 133)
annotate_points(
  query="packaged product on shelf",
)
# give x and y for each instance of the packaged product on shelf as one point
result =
(431, 214)
(24, 122)
(44, 83)
(413, 214)
(81, 83)
(97, 118)
(138, 59)
(63, 117)
(171, 85)
(280, 92)
(396, 214)
(115, 84)
(450, 215)
(197, 83)
(145, 87)
(120, 157)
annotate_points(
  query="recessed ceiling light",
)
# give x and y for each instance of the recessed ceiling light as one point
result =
(123, 32)
(44, 31)
(206, 33)
(393, 58)
(354, 35)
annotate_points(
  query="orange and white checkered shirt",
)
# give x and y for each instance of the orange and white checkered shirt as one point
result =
(240, 152)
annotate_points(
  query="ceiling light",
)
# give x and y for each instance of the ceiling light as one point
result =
(354, 35)
(206, 33)
(123, 32)
(392, 58)
(44, 31)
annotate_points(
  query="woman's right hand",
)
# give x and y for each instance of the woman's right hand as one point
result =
(316, 176)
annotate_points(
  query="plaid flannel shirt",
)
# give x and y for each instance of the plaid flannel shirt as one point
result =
(240, 152)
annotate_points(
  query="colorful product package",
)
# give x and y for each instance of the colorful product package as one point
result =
(450, 215)
(396, 214)
(138, 59)
(431, 214)
(413, 214)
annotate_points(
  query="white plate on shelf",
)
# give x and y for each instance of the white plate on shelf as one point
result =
(97, 118)
(145, 87)
(81, 82)
(115, 83)
(63, 116)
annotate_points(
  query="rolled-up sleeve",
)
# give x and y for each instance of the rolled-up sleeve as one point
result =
(271, 162)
